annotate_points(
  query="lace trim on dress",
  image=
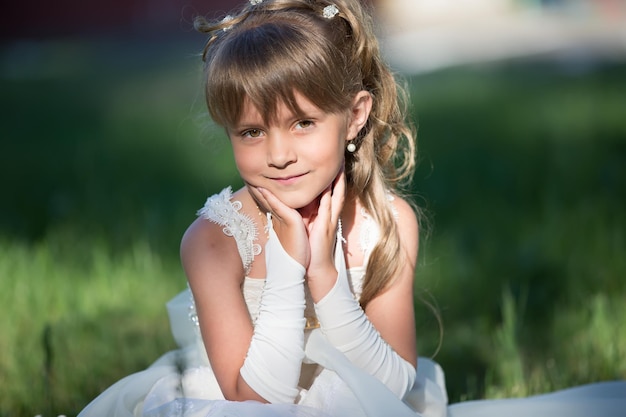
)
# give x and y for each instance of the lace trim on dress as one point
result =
(221, 210)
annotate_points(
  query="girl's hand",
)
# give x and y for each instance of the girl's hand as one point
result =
(288, 225)
(322, 230)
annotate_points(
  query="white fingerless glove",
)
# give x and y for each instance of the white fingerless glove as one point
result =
(272, 366)
(343, 322)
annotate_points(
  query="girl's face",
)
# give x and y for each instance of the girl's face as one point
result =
(296, 158)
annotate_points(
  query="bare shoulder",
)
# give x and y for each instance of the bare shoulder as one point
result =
(407, 220)
(205, 249)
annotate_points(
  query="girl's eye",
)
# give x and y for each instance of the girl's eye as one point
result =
(303, 124)
(252, 133)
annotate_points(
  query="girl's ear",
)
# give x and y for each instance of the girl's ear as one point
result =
(359, 113)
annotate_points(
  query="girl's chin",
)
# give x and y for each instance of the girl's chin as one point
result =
(300, 205)
(305, 206)
(305, 203)
(310, 209)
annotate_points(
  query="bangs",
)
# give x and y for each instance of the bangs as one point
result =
(267, 64)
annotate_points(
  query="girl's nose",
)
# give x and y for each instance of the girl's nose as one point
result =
(280, 151)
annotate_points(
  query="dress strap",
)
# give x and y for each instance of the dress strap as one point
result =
(220, 209)
(369, 234)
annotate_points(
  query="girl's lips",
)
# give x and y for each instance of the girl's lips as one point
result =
(288, 180)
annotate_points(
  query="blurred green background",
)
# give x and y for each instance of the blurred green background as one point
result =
(106, 153)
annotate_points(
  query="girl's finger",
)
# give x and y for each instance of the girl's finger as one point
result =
(338, 196)
(325, 201)
(259, 199)
(280, 210)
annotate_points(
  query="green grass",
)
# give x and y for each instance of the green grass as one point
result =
(106, 154)
(74, 326)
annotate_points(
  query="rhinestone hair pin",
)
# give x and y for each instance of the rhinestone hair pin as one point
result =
(255, 2)
(329, 11)
(225, 20)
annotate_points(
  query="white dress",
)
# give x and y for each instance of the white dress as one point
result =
(181, 382)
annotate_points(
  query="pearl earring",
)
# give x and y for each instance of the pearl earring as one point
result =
(351, 147)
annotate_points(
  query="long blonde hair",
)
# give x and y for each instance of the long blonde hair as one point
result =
(268, 51)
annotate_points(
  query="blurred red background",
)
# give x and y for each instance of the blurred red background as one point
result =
(36, 19)
(60, 18)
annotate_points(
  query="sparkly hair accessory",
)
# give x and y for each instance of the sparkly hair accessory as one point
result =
(225, 20)
(255, 2)
(329, 11)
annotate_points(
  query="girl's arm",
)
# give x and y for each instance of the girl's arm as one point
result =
(392, 312)
(380, 340)
(261, 363)
(214, 271)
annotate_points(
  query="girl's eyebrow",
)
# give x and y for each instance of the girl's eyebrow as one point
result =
(248, 122)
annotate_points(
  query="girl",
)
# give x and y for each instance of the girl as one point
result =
(300, 283)
(317, 241)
